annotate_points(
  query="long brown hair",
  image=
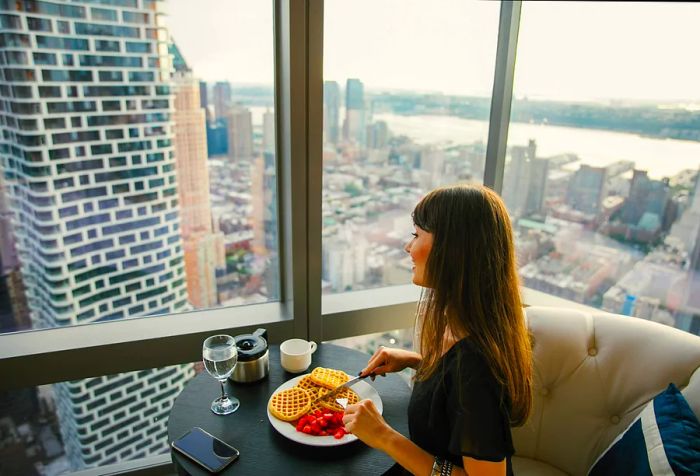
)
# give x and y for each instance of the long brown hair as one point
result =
(473, 288)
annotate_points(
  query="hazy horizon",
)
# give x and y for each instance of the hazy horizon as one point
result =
(612, 52)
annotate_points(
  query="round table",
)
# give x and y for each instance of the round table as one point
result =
(263, 449)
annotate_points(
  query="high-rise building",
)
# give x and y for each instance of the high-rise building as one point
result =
(647, 197)
(179, 63)
(525, 180)
(203, 95)
(432, 163)
(204, 249)
(14, 310)
(646, 213)
(354, 128)
(587, 189)
(87, 151)
(537, 187)
(354, 94)
(240, 133)
(331, 112)
(8, 250)
(221, 98)
(377, 135)
(269, 133)
(694, 210)
(345, 258)
(269, 205)
(217, 137)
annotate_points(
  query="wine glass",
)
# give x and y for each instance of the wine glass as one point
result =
(220, 356)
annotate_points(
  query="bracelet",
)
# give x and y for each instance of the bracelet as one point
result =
(441, 467)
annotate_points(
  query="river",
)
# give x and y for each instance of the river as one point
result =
(659, 157)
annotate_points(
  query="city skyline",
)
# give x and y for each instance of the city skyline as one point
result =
(189, 203)
(466, 71)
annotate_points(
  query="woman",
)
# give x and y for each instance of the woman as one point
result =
(474, 371)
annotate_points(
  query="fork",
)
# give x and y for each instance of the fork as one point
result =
(343, 402)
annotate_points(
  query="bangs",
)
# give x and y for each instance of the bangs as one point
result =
(422, 213)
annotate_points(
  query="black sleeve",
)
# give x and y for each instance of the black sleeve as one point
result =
(480, 428)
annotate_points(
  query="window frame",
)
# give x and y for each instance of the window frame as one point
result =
(44, 356)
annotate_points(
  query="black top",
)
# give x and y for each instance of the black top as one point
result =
(458, 411)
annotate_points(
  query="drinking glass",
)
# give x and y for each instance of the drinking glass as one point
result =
(220, 356)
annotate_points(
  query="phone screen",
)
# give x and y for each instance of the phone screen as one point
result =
(206, 449)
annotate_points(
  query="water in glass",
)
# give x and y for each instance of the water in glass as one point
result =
(220, 356)
(220, 360)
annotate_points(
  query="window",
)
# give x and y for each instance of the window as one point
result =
(118, 192)
(215, 216)
(601, 178)
(101, 407)
(386, 140)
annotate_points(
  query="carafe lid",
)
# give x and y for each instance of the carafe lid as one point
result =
(251, 346)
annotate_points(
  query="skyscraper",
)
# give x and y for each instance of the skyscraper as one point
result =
(331, 112)
(221, 98)
(354, 128)
(587, 189)
(518, 184)
(204, 249)
(15, 315)
(647, 197)
(269, 134)
(87, 151)
(203, 95)
(537, 186)
(377, 135)
(240, 142)
(694, 209)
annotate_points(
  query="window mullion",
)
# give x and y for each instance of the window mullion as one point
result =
(315, 165)
(291, 81)
(501, 98)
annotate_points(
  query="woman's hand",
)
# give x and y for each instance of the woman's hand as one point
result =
(365, 422)
(386, 360)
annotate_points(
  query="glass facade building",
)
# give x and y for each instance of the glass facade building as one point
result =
(88, 154)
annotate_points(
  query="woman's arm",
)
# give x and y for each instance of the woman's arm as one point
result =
(386, 360)
(365, 422)
(419, 462)
(478, 467)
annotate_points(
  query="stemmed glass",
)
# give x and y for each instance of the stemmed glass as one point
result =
(220, 356)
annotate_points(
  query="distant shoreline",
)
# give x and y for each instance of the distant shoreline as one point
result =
(648, 120)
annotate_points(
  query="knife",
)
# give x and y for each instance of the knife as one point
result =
(337, 389)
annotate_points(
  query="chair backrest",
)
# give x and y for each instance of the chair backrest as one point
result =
(593, 375)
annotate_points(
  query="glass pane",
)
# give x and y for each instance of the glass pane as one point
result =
(138, 179)
(408, 117)
(57, 429)
(601, 178)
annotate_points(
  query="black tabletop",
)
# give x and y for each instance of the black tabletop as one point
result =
(263, 449)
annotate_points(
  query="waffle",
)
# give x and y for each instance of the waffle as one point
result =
(329, 378)
(310, 386)
(331, 404)
(317, 406)
(290, 404)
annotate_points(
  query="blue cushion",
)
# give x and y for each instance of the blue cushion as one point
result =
(664, 439)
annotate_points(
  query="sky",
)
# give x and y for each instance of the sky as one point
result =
(583, 51)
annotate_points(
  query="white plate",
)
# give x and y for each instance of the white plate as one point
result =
(286, 429)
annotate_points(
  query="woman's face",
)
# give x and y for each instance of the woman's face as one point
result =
(419, 249)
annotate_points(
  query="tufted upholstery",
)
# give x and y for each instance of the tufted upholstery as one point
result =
(593, 375)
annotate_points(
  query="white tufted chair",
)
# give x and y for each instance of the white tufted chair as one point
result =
(593, 375)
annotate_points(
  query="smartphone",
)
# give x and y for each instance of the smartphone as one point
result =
(206, 449)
